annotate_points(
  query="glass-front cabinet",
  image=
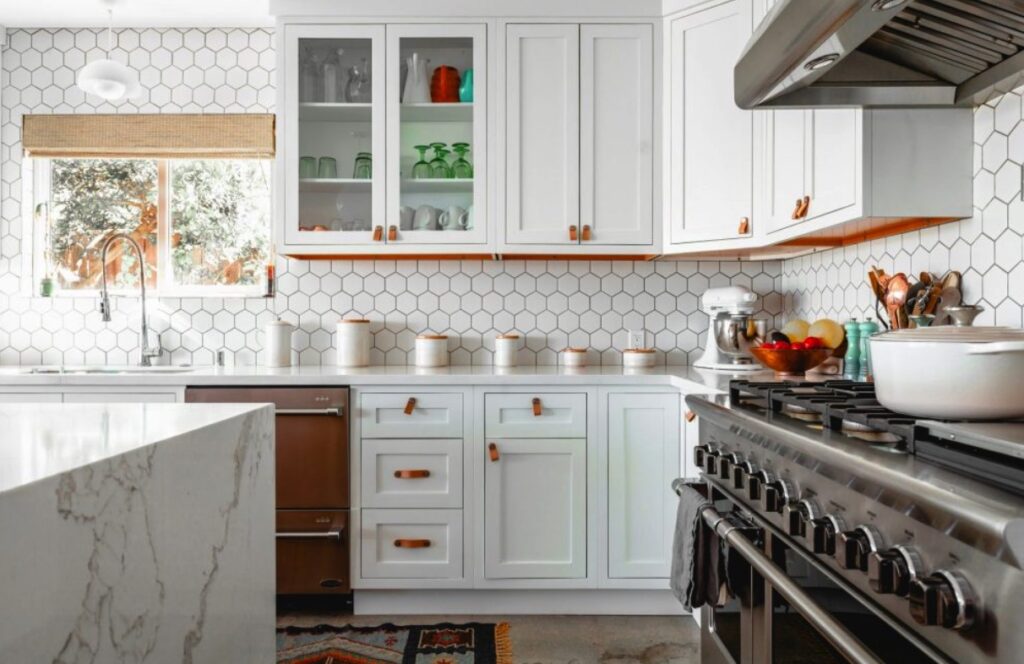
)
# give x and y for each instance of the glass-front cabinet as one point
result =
(384, 142)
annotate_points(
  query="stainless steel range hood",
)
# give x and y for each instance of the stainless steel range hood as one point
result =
(882, 53)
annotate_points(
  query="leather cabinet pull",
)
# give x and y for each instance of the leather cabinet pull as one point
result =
(573, 234)
(744, 226)
(392, 233)
(412, 474)
(796, 209)
(492, 451)
(690, 416)
(536, 407)
(586, 233)
(378, 233)
(409, 405)
(412, 543)
(804, 207)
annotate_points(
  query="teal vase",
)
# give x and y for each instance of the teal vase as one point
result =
(466, 89)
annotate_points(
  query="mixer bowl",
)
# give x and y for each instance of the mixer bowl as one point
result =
(736, 334)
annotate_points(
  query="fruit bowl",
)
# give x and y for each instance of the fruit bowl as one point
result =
(790, 362)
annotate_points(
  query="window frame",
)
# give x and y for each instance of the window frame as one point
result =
(165, 286)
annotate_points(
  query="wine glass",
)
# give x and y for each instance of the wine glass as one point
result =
(358, 88)
(439, 165)
(421, 169)
(461, 168)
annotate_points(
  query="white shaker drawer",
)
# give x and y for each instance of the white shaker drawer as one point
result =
(411, 415)
(412, 544)
(536, 415)
(412, 472)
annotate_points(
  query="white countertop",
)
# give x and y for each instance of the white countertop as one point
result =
(41, 440)
(683, 377)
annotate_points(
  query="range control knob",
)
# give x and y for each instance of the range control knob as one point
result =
(711, 462)
(698, 455)
(943, 598)
(892, 570)
(854, 546)
(823, 534)
(755, 482)
(775, 495)
(740, 473)
(726, 463)
(799, 515)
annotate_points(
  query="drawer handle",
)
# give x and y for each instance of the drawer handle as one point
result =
(744, 225)
(392, 233)
(802, 208)
(378, 233)
(412, 543)
(492, 451)
(796, 208)
(331, 583)
(536, 407)
(572, 234)
(336, 412)
(325, 534)
(586, 233)
(690, 416)
(411, 474)
(409, 405)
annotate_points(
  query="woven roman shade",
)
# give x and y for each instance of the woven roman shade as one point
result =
(166, 136)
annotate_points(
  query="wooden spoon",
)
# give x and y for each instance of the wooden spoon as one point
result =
(895, 297)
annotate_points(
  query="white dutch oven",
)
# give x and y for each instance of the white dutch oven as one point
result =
(964, 373)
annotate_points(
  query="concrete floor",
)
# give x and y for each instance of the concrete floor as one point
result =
(558, 639)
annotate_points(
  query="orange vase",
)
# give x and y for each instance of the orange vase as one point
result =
(444, 85)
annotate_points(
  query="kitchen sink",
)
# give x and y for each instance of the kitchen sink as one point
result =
(106, 370)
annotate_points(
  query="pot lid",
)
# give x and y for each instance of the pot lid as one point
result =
(432, 336)
(507, 336)
(638, 350)
(574, 350)
(952, 334)
(354, 320)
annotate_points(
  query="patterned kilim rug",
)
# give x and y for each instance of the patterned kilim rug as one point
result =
(472, 643)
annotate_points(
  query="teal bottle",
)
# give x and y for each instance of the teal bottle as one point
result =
(867, 329)
(466, 88)
(852, 359)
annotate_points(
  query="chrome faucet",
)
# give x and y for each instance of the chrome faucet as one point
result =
(147, 352)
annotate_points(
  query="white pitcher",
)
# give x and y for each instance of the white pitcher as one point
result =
(417, 84)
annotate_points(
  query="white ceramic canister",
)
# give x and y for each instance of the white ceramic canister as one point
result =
(432, 350)
(574, 357)
(278, 343)
(638, 358)
(506, 350)
(353, 342)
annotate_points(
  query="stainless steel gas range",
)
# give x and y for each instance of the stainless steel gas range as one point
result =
(851, 533)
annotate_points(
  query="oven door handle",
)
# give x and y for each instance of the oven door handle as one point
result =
(335, 412)
(834, 632)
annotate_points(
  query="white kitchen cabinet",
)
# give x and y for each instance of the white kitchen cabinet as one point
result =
(535, 509)
(542, 79)
(711, 140)
(865, 167)
(412, 473)
(411, 544)
(616, 135)
(643, 459)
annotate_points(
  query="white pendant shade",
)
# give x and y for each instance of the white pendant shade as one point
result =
(109, 79)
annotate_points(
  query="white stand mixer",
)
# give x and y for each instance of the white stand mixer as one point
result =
(732, 329)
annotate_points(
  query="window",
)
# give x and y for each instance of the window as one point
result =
(203, 224)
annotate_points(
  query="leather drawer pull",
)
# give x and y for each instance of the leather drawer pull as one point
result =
(586, 233)
(409, 405)
(796, 208)
(802, 209)
(378, 233)
(690, 416)
(411, 474)
(744, 226)
(392, 233)
(573, 234)
(492, 451)
(536, 407)
(412, 543)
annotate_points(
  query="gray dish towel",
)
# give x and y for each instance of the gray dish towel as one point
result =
(693, 563)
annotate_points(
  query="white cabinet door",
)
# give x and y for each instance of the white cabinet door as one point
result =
(643, 459)
(616, 134)
(31, 397)
(711, 139)
(535, 509)
(786, 148)
(542, 133)
(832, 177)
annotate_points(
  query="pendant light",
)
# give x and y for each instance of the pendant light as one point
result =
(108, 78)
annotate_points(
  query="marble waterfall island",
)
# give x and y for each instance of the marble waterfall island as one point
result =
(136, 533)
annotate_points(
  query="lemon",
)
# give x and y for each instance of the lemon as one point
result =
(830, 332)
(796, 330)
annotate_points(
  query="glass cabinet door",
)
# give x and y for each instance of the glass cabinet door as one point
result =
(436, 93)
(334, 135)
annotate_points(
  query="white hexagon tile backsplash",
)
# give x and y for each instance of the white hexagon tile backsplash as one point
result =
(553, 303)
(987, 248)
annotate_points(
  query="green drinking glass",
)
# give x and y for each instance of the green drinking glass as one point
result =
(440, 170)
(461, 168)
(363, 168)
(421, 169)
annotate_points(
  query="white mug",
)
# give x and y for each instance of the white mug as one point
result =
(405, 217)
(468, 225)
(425, 219)
(453, 219)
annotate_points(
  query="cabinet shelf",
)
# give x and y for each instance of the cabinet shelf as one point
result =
(439, 185)
(328, 185)
(331, 112)
(454, 112)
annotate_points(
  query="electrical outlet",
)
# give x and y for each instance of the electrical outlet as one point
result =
(634, 339)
